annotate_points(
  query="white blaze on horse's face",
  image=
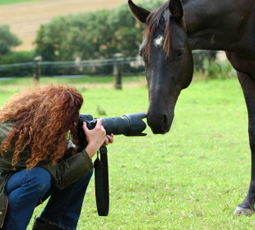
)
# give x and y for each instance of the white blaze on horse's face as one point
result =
(158, 42)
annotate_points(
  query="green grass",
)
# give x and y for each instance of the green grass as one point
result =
(6, 2)
(79, 80)
(190, 178)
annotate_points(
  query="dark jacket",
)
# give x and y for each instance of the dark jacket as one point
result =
(68, 170)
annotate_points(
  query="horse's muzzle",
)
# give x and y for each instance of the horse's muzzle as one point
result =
(159, 124)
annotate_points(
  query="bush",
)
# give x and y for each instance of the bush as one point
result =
(7, 40)
(25, 69)
(93, 35)
(216, 70)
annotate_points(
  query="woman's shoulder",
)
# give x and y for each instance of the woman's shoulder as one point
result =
(7, 123)
(5, 127)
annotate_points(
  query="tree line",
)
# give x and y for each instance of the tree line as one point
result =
(89, 35)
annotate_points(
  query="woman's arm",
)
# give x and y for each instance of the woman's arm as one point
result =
(73, 168)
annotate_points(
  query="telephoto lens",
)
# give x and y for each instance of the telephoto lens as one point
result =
(129, 125)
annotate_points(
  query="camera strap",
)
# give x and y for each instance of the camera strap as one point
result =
(102, 182)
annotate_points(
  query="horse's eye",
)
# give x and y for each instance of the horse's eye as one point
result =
(141, 50)
(180, 53)
(162, 21)
(141, 53)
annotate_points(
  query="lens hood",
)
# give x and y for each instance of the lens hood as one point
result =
(137, 125)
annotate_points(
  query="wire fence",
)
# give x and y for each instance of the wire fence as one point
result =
(104, 67)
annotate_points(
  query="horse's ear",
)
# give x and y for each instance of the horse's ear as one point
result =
(140, 13)
(176, 9)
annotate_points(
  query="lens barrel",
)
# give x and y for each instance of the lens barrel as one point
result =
(116, 125)
(129, 124)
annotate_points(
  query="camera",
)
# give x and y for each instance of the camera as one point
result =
(128, 125)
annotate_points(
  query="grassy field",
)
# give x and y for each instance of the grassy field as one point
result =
(5, 2)
(191, 178)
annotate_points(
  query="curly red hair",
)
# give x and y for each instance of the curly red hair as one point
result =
(43, 117)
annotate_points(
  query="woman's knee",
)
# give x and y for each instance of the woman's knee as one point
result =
(39, 178)
(36, 179)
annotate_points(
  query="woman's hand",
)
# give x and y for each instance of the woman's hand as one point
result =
(108, 139)
(96, 138)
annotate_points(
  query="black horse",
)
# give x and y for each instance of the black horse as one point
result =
(177, 28)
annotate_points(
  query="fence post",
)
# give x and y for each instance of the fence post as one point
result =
(37, 70)
(117, 70)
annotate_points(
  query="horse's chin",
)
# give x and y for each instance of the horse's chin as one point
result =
(159, 127)
(161, 131)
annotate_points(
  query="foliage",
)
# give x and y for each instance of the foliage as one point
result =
(92, 35)
(198, 59)
(7, 40)
(24, 57)
(17, 57)
(216, 70)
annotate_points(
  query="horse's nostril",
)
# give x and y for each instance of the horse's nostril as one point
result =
(164, 119)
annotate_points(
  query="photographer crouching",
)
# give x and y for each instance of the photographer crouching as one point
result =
(41, 158)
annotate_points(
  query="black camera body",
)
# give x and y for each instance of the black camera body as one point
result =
(128, 125)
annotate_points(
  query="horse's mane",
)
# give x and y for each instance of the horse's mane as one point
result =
(153, 22)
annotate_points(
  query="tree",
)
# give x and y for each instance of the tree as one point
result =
(7, 40)
(93, 35)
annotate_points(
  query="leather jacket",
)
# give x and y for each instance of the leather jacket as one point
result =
(68, 170)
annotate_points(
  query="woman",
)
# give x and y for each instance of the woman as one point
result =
(38, 160)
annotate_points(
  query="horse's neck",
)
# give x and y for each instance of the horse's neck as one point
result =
(217, 24)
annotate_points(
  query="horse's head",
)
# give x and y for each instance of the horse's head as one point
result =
(168, 60)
